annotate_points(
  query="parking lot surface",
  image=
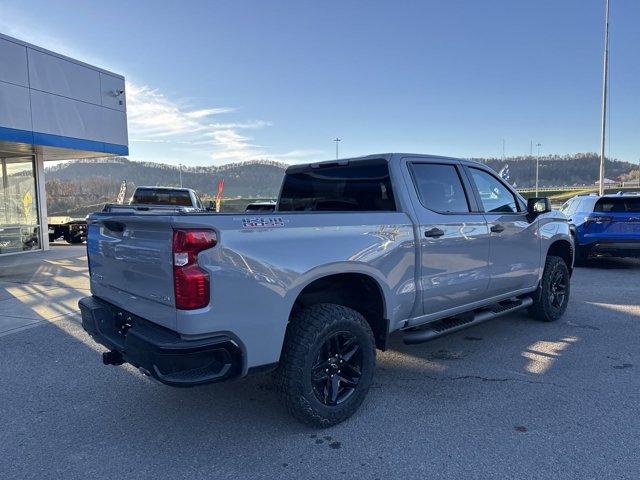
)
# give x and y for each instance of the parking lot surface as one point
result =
(511, 398)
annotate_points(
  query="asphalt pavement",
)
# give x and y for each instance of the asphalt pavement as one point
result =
(511, 398)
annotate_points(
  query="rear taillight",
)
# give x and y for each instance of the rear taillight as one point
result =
(190, 282)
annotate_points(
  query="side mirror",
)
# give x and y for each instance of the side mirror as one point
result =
(538, 205)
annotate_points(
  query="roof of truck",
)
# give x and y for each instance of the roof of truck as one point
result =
(389, 157)
(166, 188)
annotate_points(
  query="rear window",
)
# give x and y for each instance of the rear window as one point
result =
(622, 204)
(150, 196)
(260, 207)
(359, 187)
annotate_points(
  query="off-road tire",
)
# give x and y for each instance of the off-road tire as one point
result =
(306, 334)
(543, 308)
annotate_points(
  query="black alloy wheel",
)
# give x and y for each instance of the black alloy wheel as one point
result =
(337, 369)
(558, 288)
(552, 295)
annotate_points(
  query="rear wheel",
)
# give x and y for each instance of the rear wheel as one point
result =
(74, 240)
(327, 364)
(552, 296)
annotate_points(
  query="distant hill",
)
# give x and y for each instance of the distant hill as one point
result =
(568, 170)
(80, 186)
(263, 178)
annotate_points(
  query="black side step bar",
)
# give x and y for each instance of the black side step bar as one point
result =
(445, 326)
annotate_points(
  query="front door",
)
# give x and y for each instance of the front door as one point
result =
(515, 245)
(454, 240)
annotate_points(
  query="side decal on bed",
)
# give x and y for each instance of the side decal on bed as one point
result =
(262, 222)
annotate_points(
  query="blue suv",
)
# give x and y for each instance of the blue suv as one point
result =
(604, 225)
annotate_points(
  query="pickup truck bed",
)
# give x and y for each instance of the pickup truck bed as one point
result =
(256, 271)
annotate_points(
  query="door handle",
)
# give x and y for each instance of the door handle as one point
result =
(434, 232)
(497, 228)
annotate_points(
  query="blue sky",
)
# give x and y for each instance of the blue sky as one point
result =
(221, 81)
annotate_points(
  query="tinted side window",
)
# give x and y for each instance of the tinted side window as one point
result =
(495, 197)
(359, 187)
(620, 205)
(439, 187)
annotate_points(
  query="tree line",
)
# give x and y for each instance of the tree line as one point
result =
(76, 187)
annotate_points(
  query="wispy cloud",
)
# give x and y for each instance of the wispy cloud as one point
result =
(241, 126)
(206, 112)
(155, 118)
(151, 115)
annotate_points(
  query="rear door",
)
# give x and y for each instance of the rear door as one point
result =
(515, 245)
(454, 238)
(130, 264)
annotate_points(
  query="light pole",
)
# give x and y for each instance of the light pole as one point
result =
(180, 168)
(537, 166)
(605, 75)
(337, 140)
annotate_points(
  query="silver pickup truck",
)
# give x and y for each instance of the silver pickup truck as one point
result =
(355, 250)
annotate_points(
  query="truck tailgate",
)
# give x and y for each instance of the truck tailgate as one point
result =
(130, 264)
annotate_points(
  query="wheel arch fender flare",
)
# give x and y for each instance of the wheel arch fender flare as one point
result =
(338, 268)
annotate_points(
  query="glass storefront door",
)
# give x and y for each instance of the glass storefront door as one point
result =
(19, 225)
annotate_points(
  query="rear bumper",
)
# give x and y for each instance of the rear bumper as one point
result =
(158, 351)
(616, 248)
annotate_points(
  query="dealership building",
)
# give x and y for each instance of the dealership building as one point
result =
(52, 108)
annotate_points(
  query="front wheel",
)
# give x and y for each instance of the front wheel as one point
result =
(552, 296)
(327, 364)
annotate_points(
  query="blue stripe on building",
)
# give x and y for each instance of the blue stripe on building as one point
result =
(59, 141)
